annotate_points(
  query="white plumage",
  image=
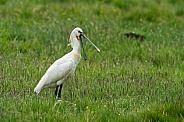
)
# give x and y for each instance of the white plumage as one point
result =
(64, 67)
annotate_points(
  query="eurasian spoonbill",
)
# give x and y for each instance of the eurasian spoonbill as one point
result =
(64, 67)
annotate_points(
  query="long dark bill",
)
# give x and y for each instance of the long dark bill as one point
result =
(85, 57)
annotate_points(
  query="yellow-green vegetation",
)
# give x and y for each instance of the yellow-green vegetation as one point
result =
(129, 80)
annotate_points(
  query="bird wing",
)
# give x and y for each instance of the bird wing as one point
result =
(59, 70)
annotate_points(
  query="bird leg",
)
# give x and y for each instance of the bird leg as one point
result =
(59, 93)
(56, 91)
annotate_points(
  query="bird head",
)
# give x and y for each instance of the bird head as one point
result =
(77, 33)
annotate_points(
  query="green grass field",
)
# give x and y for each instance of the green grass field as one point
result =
(129, 80)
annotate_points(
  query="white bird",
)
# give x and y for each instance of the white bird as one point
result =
(64, 67)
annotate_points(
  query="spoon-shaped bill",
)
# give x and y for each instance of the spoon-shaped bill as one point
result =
(85, 56)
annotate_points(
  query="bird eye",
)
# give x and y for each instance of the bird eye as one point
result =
(79, 32)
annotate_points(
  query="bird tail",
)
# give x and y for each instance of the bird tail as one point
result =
(40, 85)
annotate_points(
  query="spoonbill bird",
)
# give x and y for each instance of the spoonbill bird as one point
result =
(64, 67)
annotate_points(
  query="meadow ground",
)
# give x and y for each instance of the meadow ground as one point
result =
(129, 80)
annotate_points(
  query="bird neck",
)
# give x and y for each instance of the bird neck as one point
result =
(76, 46)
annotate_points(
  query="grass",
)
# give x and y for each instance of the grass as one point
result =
(128, 80)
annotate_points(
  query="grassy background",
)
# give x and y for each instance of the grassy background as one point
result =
(128, 80)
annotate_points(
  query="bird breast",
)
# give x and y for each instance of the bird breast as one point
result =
(76, 58)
